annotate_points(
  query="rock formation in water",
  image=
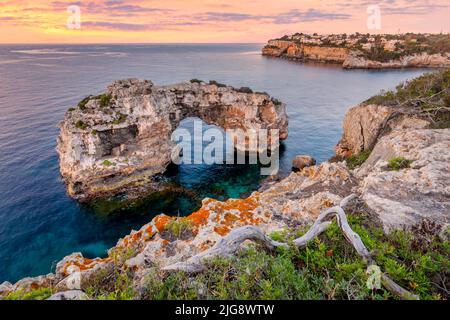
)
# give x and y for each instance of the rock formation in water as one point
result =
(121, 139)
(404, 182)
(364, 51)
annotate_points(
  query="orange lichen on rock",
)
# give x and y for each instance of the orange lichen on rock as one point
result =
(161, 221)
(233, 213)
(222, 230)
(200, 217)
(82, 264)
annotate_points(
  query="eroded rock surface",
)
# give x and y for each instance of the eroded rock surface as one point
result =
(405, 197)
(122, 139)
(364, 125)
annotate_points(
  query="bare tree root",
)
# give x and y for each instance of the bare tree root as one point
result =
(229, 245)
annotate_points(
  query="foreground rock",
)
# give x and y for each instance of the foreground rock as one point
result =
(403, 198)
(120, 140)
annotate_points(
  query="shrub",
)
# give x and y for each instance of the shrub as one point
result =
(82, 103)
(429, 93)
(356, 161)
(399, 163)
(276, 102)
(196, 81)
(81, 125)
(107, 163)
(104, 100)
(179, 228)
(120, 118)
(218, 84)
(328, 268)
(245, 90)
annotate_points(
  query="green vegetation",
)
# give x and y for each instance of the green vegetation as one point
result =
(399, 163)
(196, 81)
(328, 268)
(104, 100)
(81, 125)
(36, 294)
(179, 228)
(71, 109)
(120, 118)
(356, 161)
(276, 102)
(245, 90)
(82, 103)
(111, 285)
(215, 83)
(107, 163)
(428, 95)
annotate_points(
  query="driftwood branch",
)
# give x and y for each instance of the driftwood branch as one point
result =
(229, 245)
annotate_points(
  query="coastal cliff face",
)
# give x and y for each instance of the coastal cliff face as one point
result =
(121, 139)
(355, 60)
(361, 51)
(295, 51)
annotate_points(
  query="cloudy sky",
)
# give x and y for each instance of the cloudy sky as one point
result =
(150, 21)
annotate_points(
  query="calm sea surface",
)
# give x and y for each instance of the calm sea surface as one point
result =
(39, 224)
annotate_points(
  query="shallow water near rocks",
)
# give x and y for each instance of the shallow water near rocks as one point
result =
(39, 224)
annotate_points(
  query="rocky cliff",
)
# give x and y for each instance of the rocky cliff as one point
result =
(364, 51)
(121, 139)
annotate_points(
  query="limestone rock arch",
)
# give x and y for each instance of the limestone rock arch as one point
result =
(122, 138)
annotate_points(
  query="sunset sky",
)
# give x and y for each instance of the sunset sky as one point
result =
(153, 21)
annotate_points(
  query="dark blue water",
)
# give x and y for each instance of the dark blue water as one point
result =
(39, 224)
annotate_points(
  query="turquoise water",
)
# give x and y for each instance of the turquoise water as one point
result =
(39, 224)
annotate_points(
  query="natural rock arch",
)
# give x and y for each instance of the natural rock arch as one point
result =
(121, 139)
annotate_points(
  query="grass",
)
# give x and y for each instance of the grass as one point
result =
(36, 294)
(399, 163)
(356, 161)
(328, 268)
(178, 228)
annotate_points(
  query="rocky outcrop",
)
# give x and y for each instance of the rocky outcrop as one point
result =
(316, 53)
(351, 55)
(301, 162)
(403, 198)
(365, 124)
(355, 60)
(120, 140)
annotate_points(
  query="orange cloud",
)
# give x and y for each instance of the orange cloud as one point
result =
(103, 21)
